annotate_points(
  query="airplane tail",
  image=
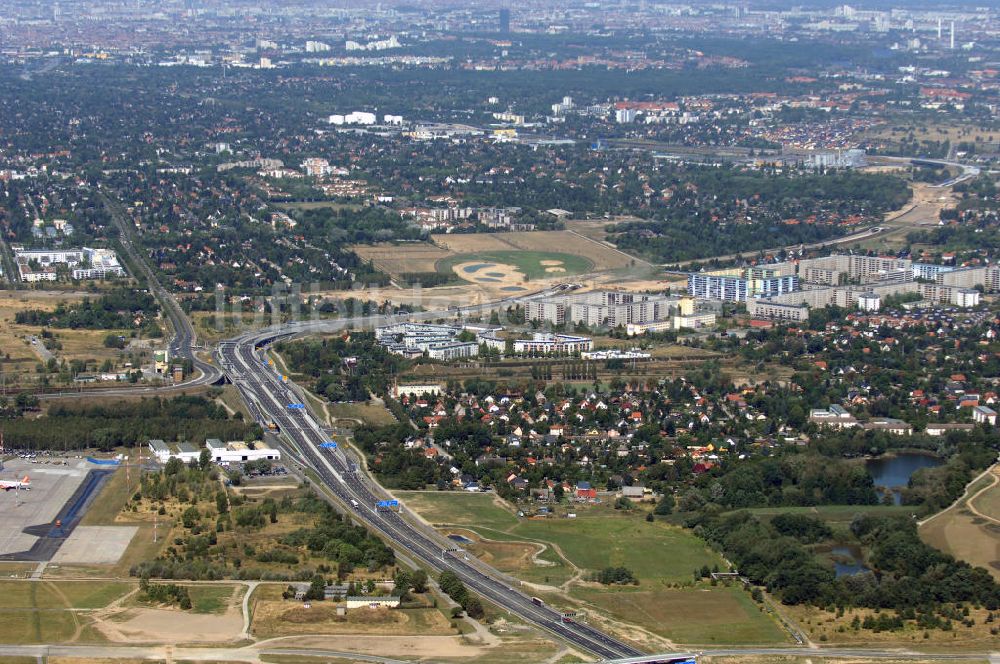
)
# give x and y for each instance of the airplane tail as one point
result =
(26, 480)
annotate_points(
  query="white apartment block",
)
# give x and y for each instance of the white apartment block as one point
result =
(316, 167)
(552, 344)
(601, 308)
(767, 308)
(852, 281)
(452, 350)
(849, 268)
(86, 263)
(987, 276)
(439, 342)
(417, 390)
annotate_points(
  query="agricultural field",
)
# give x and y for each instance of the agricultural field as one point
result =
(402, 258)
(970, 531)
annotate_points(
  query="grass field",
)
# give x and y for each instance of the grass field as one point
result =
(598, 537)
(213, 599)
(114, 494)
(956, 133)
(655, 552)
(970, 531)
(702, 616)
(369, 413)
(84, 594)
(36, 611)
(988, 502)
(521, 251)
(529, 265)
(659, 554)
(207, 599)
(27, 626)
(518, 558)
(602, 256)
(463, 509)
(61, 594)
(230, 397)
(16, 570)
(402, 258)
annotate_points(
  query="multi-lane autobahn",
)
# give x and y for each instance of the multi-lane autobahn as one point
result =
(269, 400)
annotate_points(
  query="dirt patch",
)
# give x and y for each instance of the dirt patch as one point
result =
(969, 531)
(299, 615)
(601, 255)
(139, 625)
(414, 647)
(402, 259)
(505, 556)
(276, 618)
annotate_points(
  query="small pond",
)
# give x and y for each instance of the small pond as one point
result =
(847, 561)
(893, 472)
(476, 267)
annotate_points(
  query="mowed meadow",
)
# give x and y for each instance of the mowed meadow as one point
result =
(556, 557)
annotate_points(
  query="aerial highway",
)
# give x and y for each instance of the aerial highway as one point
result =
(270, 399)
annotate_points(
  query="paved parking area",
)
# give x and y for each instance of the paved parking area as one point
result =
(95, 545)
(51, 487)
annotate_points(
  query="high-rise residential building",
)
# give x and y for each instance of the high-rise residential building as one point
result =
(740, 287)
(601, 308)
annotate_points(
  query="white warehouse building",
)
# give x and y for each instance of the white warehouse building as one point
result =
(164, 452)
(236, 451)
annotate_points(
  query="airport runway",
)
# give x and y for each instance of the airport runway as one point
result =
(58, 493)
